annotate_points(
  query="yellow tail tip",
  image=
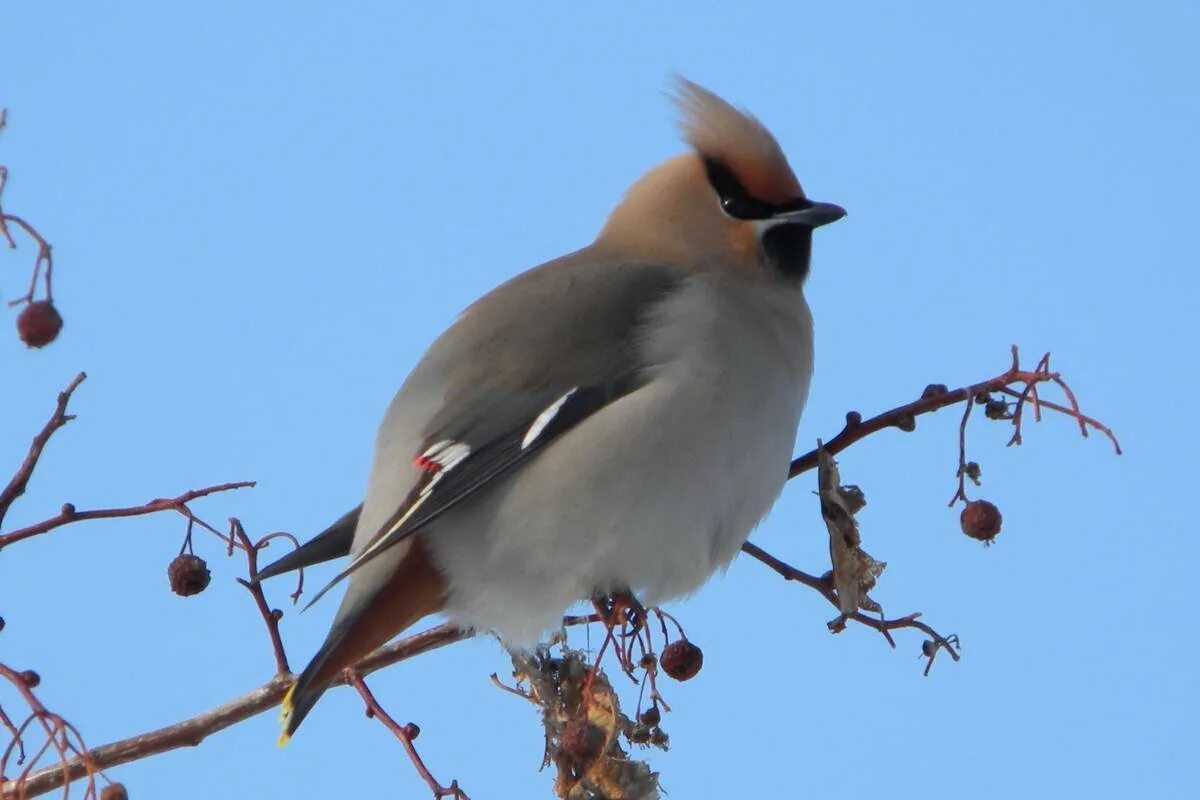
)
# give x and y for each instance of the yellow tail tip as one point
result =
(285, 710)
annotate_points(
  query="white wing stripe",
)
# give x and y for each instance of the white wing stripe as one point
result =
(543, 419)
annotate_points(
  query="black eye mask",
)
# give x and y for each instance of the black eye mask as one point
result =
(737, 201)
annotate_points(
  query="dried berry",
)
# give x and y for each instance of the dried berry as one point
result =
(651, 716)
(996, 409)
(114, 791)
(981, 520)
(38, 323)
(582, 740)
(681, 660)
(31, 679)
(639, 735)
(188, 574)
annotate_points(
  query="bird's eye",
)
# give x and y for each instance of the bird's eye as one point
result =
(735, 200)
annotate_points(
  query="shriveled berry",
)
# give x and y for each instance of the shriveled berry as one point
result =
(114, 791)
(681, 660)
(582, 740)
(996, 409)
(651, 716)
(640, 734)
(981, 520)
(31, 679)
(38, 323)
(188, 574)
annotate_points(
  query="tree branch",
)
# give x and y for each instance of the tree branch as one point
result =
(69, 514)
(60, 417)
(191, 732)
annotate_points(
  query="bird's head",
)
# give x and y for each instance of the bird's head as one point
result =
(733, 201)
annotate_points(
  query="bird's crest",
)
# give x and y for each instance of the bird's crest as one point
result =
(718, 130)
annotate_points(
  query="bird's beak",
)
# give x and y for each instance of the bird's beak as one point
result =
(813, 215)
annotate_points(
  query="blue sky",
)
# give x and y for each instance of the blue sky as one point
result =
(262, 213)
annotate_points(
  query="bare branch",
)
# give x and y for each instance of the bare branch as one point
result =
(69, 514)
(60, 417)
(406, 734)
(192, 732)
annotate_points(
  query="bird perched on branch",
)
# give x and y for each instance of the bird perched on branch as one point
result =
(615, 420)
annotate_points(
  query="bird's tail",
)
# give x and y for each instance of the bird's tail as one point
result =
(367, 619)
(333, 542)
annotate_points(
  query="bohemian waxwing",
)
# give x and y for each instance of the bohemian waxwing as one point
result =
(615, 420)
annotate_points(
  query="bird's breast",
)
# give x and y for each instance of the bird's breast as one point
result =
(654, 492)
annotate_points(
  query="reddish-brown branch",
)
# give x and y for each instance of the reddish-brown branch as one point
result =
(406, 734)
(20, 480)
(61, 736)
(16, 740)
(903, 417)
(45, 257)
(69, 515)
(825, 588)
(270, 616)
(192, 732)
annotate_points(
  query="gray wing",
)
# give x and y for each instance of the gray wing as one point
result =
(521, 367)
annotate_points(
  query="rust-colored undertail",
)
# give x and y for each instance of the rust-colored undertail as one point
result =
(414, 591)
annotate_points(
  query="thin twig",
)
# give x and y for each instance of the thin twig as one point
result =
(69, 514)
(406, 734)
(825, 588)
(60, 417)
(270, 616)
(856, 428)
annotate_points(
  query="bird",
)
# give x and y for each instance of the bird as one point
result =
(615, 420)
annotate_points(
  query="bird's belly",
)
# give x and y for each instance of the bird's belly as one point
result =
(654, 493)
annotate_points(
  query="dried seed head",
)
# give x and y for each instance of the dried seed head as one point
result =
(188, 575)
(38, 323)
(640, 734)
(582, 740)
(681, 660)
(981, 520)
(996, 409)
